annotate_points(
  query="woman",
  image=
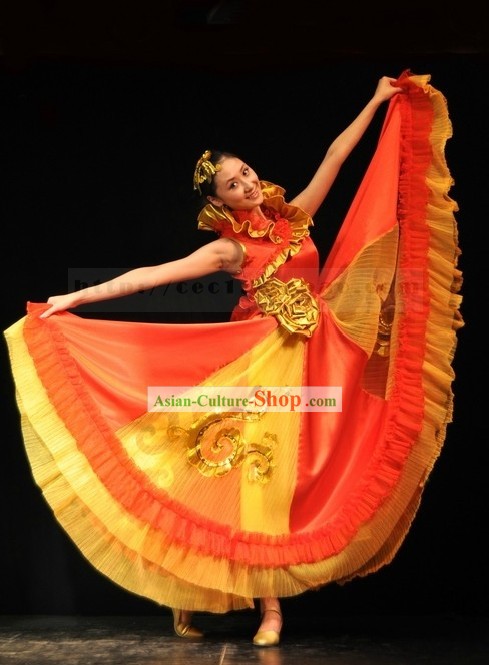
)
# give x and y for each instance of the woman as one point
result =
(209, 509)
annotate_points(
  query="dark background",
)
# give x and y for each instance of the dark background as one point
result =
(105, 109)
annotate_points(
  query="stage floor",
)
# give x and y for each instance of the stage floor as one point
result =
(359, 640)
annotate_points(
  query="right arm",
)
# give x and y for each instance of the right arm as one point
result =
(220, 254)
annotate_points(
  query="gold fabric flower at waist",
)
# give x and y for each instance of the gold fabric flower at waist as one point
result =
(291, 303)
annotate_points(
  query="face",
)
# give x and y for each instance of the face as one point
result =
(237, 185)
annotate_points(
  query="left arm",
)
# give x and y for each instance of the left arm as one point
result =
(316, 191)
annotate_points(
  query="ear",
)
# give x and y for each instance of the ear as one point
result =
(215, 201)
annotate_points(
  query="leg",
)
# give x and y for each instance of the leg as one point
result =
(271, 623)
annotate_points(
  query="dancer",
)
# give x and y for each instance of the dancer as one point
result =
(211, 509)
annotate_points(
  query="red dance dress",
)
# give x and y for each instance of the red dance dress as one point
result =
(211, 510)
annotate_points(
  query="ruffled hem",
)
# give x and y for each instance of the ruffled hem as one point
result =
(425, 334)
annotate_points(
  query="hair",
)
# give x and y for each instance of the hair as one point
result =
(209, 188)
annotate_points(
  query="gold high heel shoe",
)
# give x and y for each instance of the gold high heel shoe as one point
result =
(268, 638)
(185, 629)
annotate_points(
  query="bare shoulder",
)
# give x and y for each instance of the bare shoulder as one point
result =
(230, 252)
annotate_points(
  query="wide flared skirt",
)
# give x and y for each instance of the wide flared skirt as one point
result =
(211, 509)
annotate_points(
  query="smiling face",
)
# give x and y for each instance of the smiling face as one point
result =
(236, 185)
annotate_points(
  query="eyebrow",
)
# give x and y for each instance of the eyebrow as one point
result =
(240, 169)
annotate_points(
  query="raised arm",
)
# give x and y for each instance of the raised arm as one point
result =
(314, 194)
(221, 254)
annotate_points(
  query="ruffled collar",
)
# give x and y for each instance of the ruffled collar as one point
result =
(273, 226)
(280, 217)
(286, 226)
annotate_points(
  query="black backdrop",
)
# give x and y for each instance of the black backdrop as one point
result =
(103, 122)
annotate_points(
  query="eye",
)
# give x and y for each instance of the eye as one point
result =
(246, 170)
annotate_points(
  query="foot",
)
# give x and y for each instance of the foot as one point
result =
(268, 634)
(183, 627)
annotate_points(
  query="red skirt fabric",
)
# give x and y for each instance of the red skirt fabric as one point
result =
(210, 510)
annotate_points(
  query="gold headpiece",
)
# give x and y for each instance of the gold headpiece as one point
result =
(204, 170)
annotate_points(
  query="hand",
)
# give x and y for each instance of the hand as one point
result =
(385, 89)
(59, 304)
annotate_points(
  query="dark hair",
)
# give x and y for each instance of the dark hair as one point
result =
(209, 188)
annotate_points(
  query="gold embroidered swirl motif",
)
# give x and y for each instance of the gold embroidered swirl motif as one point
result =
(215, 446)
(292, 303)
(382, 347)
